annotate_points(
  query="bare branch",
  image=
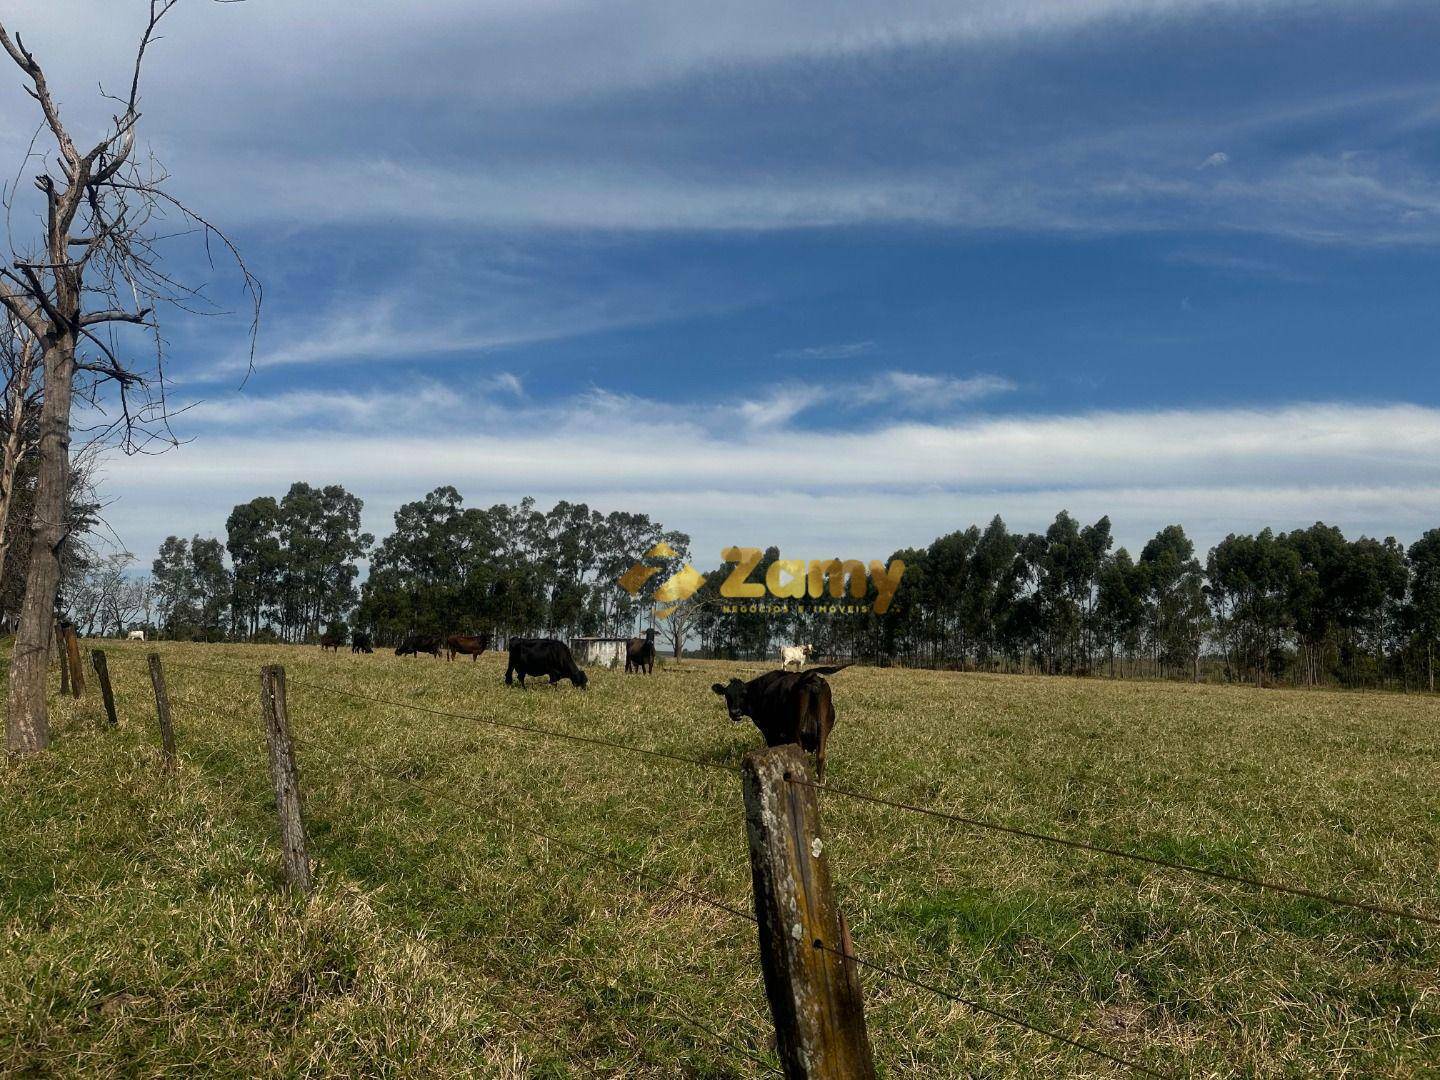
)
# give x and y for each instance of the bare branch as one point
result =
(140, 317)
(40, 91)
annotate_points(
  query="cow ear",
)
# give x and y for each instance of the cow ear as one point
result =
(718, 689)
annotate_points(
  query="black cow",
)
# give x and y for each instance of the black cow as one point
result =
(415, 644)
(543, 656)
(360, 642)
(640, 653)
(787, 707)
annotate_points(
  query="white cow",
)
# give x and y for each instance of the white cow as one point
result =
(795, 654)
(137, 635)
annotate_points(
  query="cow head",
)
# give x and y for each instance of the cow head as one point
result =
(734, 694)
(580, 679)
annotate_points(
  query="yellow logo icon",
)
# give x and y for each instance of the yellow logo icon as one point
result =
(673, 590)
(785, 578)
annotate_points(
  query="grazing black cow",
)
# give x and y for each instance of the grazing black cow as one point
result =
(331, 641)
(415, 644)
(543, 656)
(787, 707)
(360, 642)
(472, 645)
(640, 653)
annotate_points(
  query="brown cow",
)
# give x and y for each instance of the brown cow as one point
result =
(640, 653)
(471, 645)
(787, 707)
(331, 641)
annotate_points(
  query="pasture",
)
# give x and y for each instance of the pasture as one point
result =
(143, 930)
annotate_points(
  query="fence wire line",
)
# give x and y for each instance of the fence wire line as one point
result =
(528, 729)
(1120, 853)
(678, 1015)
(1388, 910)
(495, 815)
(721, 905)
(717, 904)
(999, 1014)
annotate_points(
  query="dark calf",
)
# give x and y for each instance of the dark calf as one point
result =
(360, 642)
(787, 707)
(640, 653)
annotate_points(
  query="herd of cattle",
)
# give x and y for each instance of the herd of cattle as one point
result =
(787, 706)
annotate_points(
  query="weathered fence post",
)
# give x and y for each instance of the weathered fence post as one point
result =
(71, 644)
(102, 672)
(286, 777)
(814, 990)
(64, 659)
(162, 712)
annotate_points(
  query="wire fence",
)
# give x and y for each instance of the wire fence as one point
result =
(1061, 1038)
(970, 821)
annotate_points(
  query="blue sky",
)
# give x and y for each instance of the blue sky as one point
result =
(839, 276)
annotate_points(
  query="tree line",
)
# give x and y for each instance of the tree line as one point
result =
(294, 567)
(1308, 606)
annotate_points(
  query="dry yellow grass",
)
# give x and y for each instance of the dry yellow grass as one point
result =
(143, 931)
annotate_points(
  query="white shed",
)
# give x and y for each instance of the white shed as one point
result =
(599, 651)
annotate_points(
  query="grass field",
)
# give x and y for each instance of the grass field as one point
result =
(143, 932)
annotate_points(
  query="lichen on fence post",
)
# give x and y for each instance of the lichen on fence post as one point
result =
(812, 985)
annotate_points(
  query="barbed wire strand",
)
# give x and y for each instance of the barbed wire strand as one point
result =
(999, 1014)
(527, 729)
(710, 901)
(1120, 853)
(721, 905)
(495, 815)
(1260, 884)
(669, 1014)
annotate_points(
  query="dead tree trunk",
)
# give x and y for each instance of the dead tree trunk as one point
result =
(94, 265)
(28, 717)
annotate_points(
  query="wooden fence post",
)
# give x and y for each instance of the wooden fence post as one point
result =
(102, 672)
(64, 659)
(71, 644)
(162, 712)
(286, 776)
(814, 991)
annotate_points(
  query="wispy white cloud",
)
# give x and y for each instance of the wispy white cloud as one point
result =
(889, 393)
(837, 351)
(908, 391)
(1215, 160)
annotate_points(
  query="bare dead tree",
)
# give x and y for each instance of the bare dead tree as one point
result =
(19, 363)
(96, 268)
